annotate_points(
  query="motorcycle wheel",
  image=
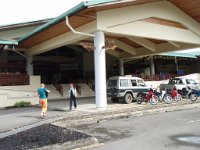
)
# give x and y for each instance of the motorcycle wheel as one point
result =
(178, 98)
(168, 99)
(154, 100)
(139, 99)
(193, 97)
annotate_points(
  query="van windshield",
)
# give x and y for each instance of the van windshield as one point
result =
(174, 81)
(112, 83)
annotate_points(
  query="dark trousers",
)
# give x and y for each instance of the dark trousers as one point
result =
(72, 98)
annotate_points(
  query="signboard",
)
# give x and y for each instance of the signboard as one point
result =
(71, 66)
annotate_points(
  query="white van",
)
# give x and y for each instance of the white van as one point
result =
(125, 88)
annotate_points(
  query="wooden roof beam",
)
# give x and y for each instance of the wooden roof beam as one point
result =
(131, 50)
(144, 42)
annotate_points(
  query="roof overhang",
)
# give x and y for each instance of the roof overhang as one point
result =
(162, 26)
(5, 42)
(177, 54)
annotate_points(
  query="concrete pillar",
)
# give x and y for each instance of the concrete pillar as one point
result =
(100, 70)
(176, 62)
(152, 66)
(29, 65)
(121, 67)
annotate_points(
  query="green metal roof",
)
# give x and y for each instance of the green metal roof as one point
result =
(54, 21)
(177, 54)
(6, 42)
(70, 12)
(97, 2)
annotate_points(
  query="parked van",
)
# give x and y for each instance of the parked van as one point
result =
(125, 88)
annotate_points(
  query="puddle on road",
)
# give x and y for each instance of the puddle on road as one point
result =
(188, 140)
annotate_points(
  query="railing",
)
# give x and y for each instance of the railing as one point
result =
(155, 77)
(59, 88)
(91, 84)
(78, 88)
(13, 79)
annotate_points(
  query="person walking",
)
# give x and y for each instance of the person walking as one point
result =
(43, 94)
(72, 96)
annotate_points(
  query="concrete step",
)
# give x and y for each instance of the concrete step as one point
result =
(53, 92)
(85, 90)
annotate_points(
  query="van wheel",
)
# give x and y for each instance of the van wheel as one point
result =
(128, 98)
(114, 100)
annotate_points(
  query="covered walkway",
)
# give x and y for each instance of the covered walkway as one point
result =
(134, 28)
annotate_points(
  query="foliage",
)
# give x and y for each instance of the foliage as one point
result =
(22, 104)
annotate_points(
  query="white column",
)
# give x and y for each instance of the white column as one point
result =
(29, 65)
(152, 66)
(121, 67)
(100, 70)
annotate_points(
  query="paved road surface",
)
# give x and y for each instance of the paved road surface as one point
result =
(14, 118)
(166, 131)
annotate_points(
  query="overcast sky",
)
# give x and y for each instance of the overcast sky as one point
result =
(17, 11)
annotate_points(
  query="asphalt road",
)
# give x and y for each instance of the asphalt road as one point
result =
(178, 130)
(18, 117)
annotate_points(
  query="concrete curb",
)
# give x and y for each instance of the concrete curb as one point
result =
(116, 114)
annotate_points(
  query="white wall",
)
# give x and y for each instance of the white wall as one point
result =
(9, 95)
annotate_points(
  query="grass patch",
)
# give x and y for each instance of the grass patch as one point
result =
(22, 104)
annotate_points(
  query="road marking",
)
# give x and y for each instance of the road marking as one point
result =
(193, 121)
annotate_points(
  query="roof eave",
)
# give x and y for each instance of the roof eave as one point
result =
(176, 54)
(98, 2)
(54, 21)
(70, 12)
(5, 42)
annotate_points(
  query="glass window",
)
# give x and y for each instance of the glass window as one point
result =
(112, 83)
(141, 83)
(124, 83)
(174, 81)
(133, 83)
(180, 82)
(191, 82)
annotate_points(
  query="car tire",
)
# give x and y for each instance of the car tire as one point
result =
(114, 100)
(193, 97)
(128, 98)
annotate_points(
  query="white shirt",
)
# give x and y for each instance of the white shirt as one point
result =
(73, 91)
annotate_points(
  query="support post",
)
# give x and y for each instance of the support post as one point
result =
(29, 65)
(152, 66)
(176, 62)
(121, 67)
(100, 70)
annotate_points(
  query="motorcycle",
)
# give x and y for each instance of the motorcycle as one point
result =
(147, 97)
(163, 96)
(175, 95)
(189, 93)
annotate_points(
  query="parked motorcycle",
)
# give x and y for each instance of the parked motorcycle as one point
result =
(147, 97)
(189, 93)
(163, 96)
(175, 95)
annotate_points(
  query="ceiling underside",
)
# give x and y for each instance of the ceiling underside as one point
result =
(88, 15)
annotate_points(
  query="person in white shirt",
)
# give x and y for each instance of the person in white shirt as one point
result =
(72, 95)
